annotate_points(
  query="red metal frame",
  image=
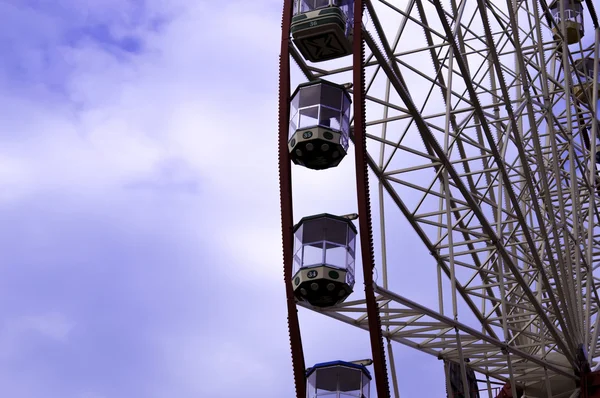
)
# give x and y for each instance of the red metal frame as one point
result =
(364, 205)
(285, 197)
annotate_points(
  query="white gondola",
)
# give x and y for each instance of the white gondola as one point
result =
(338, 379)
(322, 29)
(319, 125)
(324, 248)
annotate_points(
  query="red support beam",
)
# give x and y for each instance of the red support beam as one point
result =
(364, 206)
(285, 197)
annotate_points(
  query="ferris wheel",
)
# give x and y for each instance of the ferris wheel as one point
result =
(474, 130)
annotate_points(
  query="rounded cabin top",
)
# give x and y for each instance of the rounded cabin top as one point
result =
(319, 83)
(338, 377)
(329, 364)
(319, 129)
(328, 215)
(325, 228)
(324, 256)
(320, 104)
(570, 5)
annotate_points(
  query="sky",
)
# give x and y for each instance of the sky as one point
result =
(141, 251)
(139, 199)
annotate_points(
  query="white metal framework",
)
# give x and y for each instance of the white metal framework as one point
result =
(476, 138)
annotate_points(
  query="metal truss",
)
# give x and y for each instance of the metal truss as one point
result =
(421, 328)
(474, 135)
